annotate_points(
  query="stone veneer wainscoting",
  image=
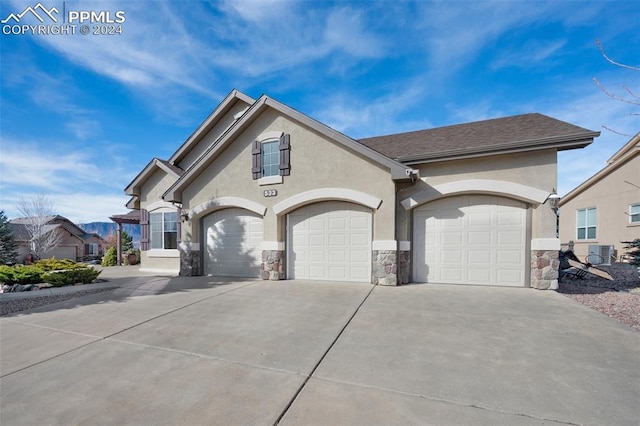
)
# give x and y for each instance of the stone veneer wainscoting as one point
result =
(544, 269)
(273, 265)
(390, 267)
(189, 263)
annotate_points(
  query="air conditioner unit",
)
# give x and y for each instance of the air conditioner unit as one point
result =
(600, 255)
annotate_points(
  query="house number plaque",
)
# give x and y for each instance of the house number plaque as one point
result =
(270, 192)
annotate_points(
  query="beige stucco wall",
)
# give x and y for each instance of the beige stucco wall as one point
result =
(151, 197)
(612, 197)
(153, 188)
(536, 169)
(211, 136)
(316, 162)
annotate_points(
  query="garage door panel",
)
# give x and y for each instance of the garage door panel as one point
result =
(233, 243)
(481, 275)
(510, 219)
(449, 238)
(480, 238)
(330, 241)
(507, 277)
(479, 257)
(471, 239)
(479, 220)
(338, 240)
(515, 238)
(510, 257)
(337, 224)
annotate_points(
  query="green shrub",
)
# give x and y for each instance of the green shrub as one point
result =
(20, 274)
(59, 278)
(58, 264)
(55, 272)
(84, 275)
(111, 257)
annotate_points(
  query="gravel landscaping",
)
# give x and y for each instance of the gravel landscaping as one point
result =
(22, 304)
(619, 299)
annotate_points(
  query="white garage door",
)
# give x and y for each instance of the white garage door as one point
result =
(472, 239)
(330, 241)
(62, 252)
(234, 240)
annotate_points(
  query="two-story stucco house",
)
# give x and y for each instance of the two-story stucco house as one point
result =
(262, 190)
(603, 211)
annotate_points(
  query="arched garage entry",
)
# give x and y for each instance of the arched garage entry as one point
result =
(331, 241)
(233, 239)
(471, 239)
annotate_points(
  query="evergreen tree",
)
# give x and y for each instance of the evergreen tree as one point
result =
(8, 245)
(127, 242)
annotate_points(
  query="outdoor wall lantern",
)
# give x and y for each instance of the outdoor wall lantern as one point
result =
(553, 199)
(185, 215)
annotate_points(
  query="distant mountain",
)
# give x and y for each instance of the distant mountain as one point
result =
(105, 229)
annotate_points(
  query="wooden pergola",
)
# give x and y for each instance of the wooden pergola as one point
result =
(133, 218)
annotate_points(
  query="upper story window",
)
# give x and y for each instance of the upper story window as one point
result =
(163, 230)
(634, 213)
(270, 157)
(586, 220)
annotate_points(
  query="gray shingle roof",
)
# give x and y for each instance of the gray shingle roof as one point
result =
(499, 135)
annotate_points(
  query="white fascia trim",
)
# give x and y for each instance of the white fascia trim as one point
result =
(189, 246)
(326, 194)
(273, 245)
(384, 245)
(270, 180)
(163, 253)
(226, 202)
(545, 244)
(478, 186)
(404, 246)
(160, 205)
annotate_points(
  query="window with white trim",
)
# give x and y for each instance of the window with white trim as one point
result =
(91, 249)
(634, 213)
(270, 158)
(586, 220)
(163, 230)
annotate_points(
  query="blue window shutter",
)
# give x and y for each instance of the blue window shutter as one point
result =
(285, 149)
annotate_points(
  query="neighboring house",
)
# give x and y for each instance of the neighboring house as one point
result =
(262, 190)
(604, 210)
(74, 243)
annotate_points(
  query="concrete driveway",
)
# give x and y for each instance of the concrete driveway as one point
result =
(205, 351)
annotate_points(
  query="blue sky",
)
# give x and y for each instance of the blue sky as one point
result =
(81, 115)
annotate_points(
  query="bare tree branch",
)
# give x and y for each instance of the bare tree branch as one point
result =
(614, 96)
(38, 213)
(611, 60)
(614, 131)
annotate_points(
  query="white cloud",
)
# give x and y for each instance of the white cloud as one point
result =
(77, 207)
(534, 54)
(387, 113)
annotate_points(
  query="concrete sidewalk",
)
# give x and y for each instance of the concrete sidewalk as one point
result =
(204, 350)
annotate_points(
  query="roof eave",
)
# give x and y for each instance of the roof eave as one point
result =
(397, 170)
(133, 188)
(227, 103)
(523, 146)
